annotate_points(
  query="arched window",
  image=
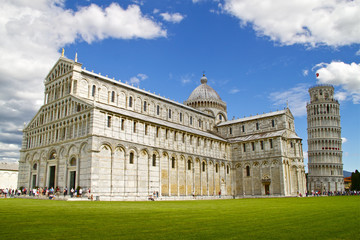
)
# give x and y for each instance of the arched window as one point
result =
(157, 110)
(172, 162)
(131, 158)
(154, 160)
(189, 165)
(52, 156)
(227, 169)
(203, 166)
(35, 166)
(130, 101)
(93, 91)
(248, 171)
(216, 167)
(190, 120)
(112, 96)
(73, 162)
(169, 113)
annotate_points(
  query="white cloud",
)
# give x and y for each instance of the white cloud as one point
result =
(357, 53)
(305, 72)
(309, 22)
(234, 90)
(32, 32)
(185, 79)
(296, 97)
(341, 96)
(172, 17)
(137, 79)
(347, 76)
(344, 140)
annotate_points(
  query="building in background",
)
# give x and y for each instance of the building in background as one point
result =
(324, 141)
(126, 143)
(8, 175)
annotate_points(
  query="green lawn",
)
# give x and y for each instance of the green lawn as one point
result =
(273, 218)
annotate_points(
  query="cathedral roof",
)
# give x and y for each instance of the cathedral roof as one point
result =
(270, 114)
(203, 92)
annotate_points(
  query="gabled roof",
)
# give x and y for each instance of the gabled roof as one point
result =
(81, 100)
(59, 61)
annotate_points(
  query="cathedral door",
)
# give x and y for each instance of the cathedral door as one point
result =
(33, 181)
(267, 189)
(72, 179)
(52, 177)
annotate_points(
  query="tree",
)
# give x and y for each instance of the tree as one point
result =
(355, 181)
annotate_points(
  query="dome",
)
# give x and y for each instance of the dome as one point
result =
(206, 99)
(203, 92)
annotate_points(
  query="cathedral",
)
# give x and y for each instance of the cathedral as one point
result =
(125, 143)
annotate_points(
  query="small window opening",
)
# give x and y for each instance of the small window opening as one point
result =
(130, 101)
(172, 162)
(122, 124)
(154, 160)
(109, 121)
(247, 171)
(131, 158)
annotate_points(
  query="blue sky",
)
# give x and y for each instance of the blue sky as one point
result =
(255, 55)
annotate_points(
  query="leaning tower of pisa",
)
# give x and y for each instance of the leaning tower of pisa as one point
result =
(324, 141)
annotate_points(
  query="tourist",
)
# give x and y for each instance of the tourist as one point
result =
(72, 192)
(65, 191)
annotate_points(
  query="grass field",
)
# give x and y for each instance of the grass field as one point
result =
(273, 218)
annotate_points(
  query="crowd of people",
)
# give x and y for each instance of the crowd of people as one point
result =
(331, 193)
(50, 193)
(53, 193)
